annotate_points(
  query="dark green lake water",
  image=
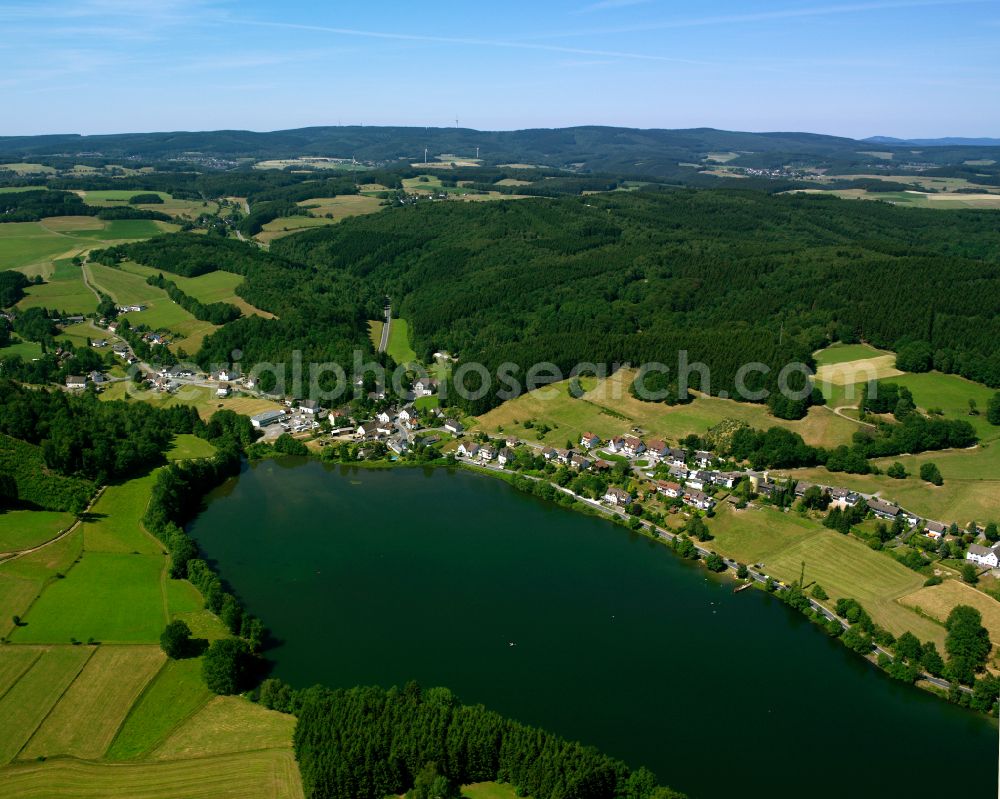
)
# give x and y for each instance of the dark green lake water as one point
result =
(386, 576)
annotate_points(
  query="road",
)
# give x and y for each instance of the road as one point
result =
(385, 329)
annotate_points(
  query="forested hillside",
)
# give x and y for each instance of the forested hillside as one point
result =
(729, 277)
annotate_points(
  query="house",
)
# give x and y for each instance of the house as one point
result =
(563, 455)
(453, 426)
(468, 449)
(367, 430)
(548, 453)
(616, 444)
(408, 418)
(222, 391)
(767, 488)
(882, 509)
(698, 499)
(703, 459)
(384, 428)
(487, 453)
(698, 479)
(512, 441)
(97, 378)
(679, 472)
(669, 489)
(676, 457)
(656, 450)
(632, 447)
(579, 462)
(726, 479)
(618, 497)
(984, 556)
(384, 416)
(506, 456)
(99, 342)
(601, 465)
(801, 487)
(425, 387)
(398, 445)
(266, 418)
(224, 376)
(843, 499)
(310, 407)
(75, 381)
(589, 441)
(935, 530)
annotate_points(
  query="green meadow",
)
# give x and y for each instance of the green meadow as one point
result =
(23, 529)
(399, 348)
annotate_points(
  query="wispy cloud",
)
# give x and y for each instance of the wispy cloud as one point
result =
(766, 16)
(610, 5)
(512, 45)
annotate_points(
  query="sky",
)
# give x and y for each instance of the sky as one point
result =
(906, 68)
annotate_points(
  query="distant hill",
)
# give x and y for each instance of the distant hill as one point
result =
(947, 141)
(656, 153)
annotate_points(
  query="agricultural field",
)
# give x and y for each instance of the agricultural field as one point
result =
(608, 410)
(22, 349)
(181, 209)
(26, 704)
(211, 287)
(23, 529)
(162, 313)
(844, 566)
(113, 523)
(86, 717)
(189, 446)
(221, 726)
(174, 695)
(267, 774)
(375, 331)
(937, 601)
(201, 397)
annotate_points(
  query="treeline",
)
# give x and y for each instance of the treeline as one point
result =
(12, 286)
(26, 480)
(79, 435)
(218, 313)
(368, 743)
(177, 496)
(34, 204)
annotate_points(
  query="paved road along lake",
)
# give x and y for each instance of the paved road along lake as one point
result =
(572, 623)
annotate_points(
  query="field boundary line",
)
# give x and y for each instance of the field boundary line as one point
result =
(25, 671)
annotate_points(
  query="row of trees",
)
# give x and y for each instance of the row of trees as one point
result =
(218, 313)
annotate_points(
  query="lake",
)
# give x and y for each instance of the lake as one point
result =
(574, 624)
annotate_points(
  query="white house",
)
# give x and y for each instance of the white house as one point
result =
(589, 440)
(984, 556)
(222, 392)
(935, 530)
(618, 497)
(656, 450)
(669, 489)
(676, 457)
(506, 456)
(75, 381)
(632, 446)
(384, 416)
(616, 444)
(453, 426)
(367, 430)
(310, 407)
(468, 449)
(425, 386)
(698, 500)
(703, 459)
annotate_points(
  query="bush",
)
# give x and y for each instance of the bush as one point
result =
(931, 473)
(175, 640)
(897, 471)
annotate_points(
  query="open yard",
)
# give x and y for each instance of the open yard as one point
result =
(844, 566)
(88, 715)
(608, 410)
(268, 774)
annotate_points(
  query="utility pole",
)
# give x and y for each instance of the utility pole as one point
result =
(425, 156)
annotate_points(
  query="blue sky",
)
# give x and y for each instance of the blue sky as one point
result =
(896, 67)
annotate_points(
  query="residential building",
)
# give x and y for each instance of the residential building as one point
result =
(76, 381)
(505, 456)
(618, 497)
(425, 387)
(548, 453)
(703, 459)
(632, 447)
(222, 392)
(669, 489)
(883, 509)
(656, 450)
(676, 456)
(698, 499)
(589, 441)
(468, 449)
(984, 556)
(453, 426)
(579, 462)
(935, 530)
(310, 407)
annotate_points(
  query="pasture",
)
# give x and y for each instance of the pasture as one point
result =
(182, 209)
(843, 353)
(187, 446)
(375, 331)
(337, 208)
(23, 529)
(844, 566)
(268, 774)
(399, 348)
(215, 286)
(201, 397)
(113, 524)
(88, 715)
(27, 350)
(111, 597)
(608, 410)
